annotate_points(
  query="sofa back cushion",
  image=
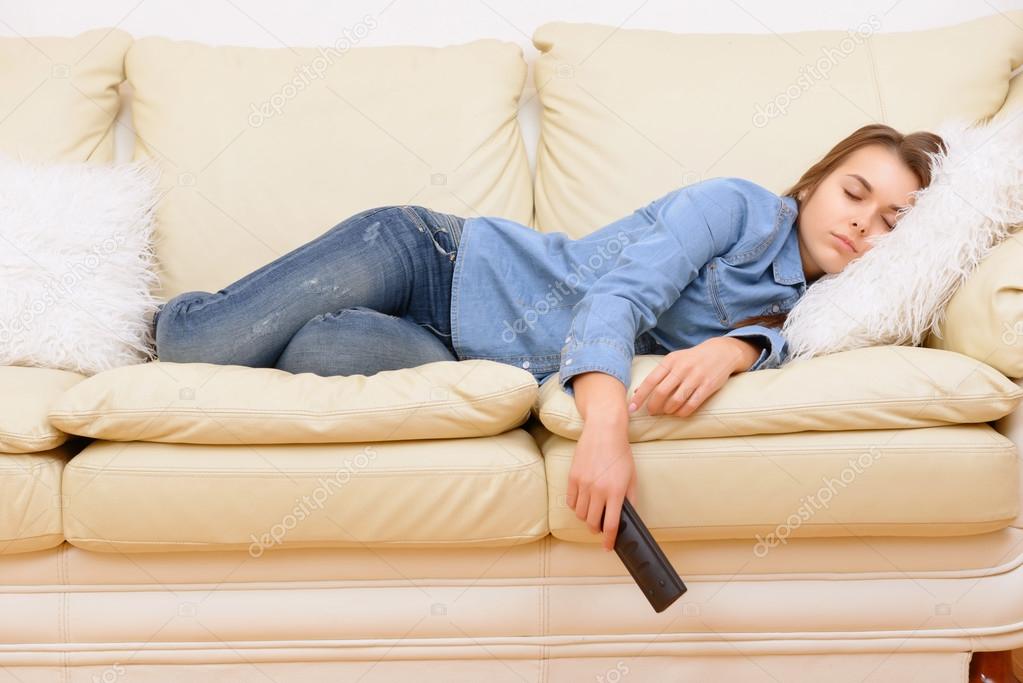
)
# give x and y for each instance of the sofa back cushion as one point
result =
(263, 149)
(636, 113)
(984, 318)
(58, 95)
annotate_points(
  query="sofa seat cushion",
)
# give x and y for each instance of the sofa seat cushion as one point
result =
(30, 499)
(204, 403)
(932, 481)
(878, 387)
(258, 157)
(26, 395)
(149, 497)
(769, 108)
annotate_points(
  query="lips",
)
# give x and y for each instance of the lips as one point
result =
(846, 242)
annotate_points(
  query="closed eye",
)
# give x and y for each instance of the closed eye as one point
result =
(854, 197)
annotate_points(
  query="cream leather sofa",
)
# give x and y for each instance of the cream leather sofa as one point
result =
(196, 522)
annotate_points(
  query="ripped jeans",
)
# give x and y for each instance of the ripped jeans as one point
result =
(372, 293)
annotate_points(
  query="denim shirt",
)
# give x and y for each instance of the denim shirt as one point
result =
(682, 269)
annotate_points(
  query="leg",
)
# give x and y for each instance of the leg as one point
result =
(360, 341)
(369, 259)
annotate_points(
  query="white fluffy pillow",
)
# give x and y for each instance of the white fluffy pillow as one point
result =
(76, 264)
(897, 292)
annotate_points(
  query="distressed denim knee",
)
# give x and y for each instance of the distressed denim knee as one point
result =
(177, 342)
(360, 341)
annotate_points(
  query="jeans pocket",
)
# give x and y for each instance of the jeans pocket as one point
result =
(444, 230)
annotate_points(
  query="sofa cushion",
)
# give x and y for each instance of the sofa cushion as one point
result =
(60, 100)
(31, 507)
(984, 318)
(235, 404)
(759, 106)
(26, 394)
(933, 481)
(149, 497)
(877, 387)
(265, 148)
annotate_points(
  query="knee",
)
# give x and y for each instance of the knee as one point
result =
(175, 340)
(328, 344)
(359, 341)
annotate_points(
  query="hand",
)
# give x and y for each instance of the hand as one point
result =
(686, 378)
(603, 473)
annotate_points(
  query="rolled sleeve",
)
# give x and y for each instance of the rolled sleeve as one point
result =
(774, 346)
(689, 227)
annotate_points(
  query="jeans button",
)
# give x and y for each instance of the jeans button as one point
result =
(525, 364)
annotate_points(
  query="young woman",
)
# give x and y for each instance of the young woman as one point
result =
(703, 275)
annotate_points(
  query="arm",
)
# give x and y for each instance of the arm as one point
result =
(690, 226)
(603, 471)
(686, 378)
(603, 456)
(770, 343)
(750, 351)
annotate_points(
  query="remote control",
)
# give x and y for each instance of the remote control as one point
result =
(645, 560)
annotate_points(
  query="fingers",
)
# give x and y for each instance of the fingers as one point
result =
(661, 396)
(611, 518)
(681, 397)
(572, 492)
(582, 503)
(692, 403)
(593, 514)
(648, 384)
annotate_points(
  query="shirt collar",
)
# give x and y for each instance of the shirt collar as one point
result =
(788, 267)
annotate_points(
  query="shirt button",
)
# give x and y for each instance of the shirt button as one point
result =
(525, 364)
(775, 308)
(568, 339)
(568, 362)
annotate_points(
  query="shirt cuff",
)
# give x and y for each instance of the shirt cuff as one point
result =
(592, 356)
(773, 352)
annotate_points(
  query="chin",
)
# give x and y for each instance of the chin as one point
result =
(832, 262)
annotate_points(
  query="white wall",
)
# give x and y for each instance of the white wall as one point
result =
(295, 23)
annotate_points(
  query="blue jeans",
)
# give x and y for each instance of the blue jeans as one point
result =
(372, 293)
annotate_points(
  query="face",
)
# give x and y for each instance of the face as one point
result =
(858, 199)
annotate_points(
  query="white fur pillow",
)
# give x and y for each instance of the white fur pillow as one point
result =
(897, 292)
(76, 264)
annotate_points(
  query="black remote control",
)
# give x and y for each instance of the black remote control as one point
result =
(645, 560)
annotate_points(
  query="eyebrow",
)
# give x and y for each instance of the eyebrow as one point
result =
(871, 189)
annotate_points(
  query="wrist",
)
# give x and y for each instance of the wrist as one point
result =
(746, 352)
(606, 417)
